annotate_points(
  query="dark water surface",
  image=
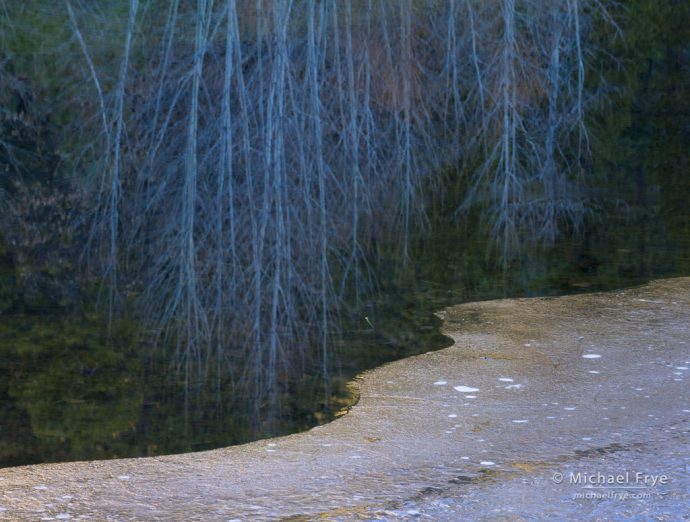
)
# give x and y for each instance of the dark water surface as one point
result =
(67, 394)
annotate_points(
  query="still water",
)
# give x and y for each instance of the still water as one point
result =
(68, 394)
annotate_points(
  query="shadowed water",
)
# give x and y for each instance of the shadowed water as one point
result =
(66, 393)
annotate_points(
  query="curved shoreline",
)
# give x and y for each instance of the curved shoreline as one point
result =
(418, 426)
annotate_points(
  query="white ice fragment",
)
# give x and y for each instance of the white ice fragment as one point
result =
(569, 408)
(440, 383)
(487, 463)
(123, 477)
(505, 379)
(470, 396)
(586, 438)
(520, 421)
(593, 371)
(516, 386)
(591, 356)
(681, 367)
(41, 487)
(452, 415)
(465, 458)
(465, 389)
(550, 417)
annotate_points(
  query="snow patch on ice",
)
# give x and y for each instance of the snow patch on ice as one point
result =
(465, 389)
